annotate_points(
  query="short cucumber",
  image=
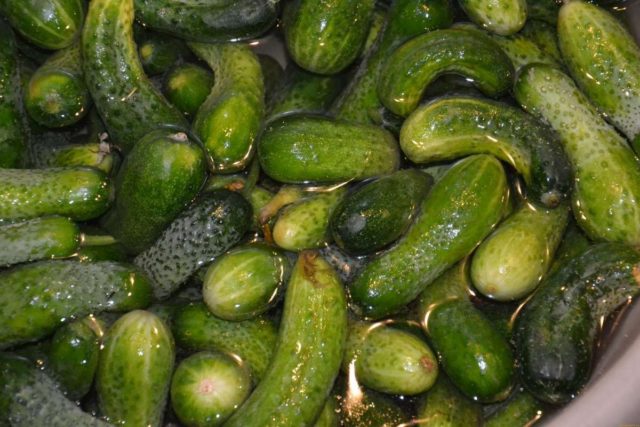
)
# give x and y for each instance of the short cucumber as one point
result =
(521, 409)
(445, 406)
(159, 52)
(502, 17)
(187, 87)
(99, 155)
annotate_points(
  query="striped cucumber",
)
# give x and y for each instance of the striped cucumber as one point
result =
(502, 17)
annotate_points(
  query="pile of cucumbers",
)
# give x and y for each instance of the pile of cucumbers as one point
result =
(424, 219)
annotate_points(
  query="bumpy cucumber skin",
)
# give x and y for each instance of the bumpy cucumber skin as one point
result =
(313, 330)
(229, 120)
(606, 208)
(502, 17)
(418, 62)
(459, 212)
(604, 59)
(39, 297)
(126, 99)
(445, 406)
(97, 155)
(254, 340)
(521, 409)
(324, 37)
(554, 333)
(298, 149)
(38, 238)
(134, 372)
(80, 193)
(187, 86)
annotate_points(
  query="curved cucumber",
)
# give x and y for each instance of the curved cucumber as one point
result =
(445, 406)
(502, 17)
(187, 86)
(418, 62)
(311, 343)
(230, 118)
(604, 207)
(94, 154)
(470, 199)
(134, 373)
(126, 99)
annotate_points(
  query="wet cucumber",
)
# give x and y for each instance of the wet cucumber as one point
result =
(445, 406)
(187, 86)
(573, 243)
(159, 52)
(522, 409)
(502, 17)
(94, 154)
(545, 36)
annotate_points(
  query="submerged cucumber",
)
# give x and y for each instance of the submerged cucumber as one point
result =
(187, 87)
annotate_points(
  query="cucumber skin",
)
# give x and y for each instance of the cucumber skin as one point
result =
(521, 409)
(503, 17)
(159, 52)
(134, 373)
(395, 278)
(98, 155)
(187, 87)
(127, 101)
(80, 193)
(311, 342)
(445, 406)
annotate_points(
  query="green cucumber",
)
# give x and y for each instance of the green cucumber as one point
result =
(310, 346)
(445, 406)
(229, 120)
(544, 10)
(573, 243)
(272, 74)
(545, 36)
(605, 208)
(158, 52)
(126, 99)
(159, 178)
(418, 62)
(99, 155)
(503, 17)
(80, 193)
(208, 387)
(36, 298)
(253, 340)
(326, 37)
(555, 332)
(604, 59)
(360, 407)
(298, 149)
(134, 372)
(200, 234)
(522, 409)
(96, 245)
(459, 212)
(377, 214)
(329, 415)
(38, 238)
(187, 87)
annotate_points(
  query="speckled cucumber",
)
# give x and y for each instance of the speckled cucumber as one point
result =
(418, 62)
(187, 86)
(445, 406)
(604, 59)
(545, 36)
(605, 208)
(229, 120)
(134, 372)
(31, 308)
(311, 341)
(470, 198)
(298, 149)
(521, 409)
(502, 17)
(326, 37)
(159, 52)
(94, 154)
(126, 99)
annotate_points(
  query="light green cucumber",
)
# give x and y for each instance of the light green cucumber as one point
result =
(521, 409)
(502, 17)
(445, 406)
(99, 155)
(187, 87)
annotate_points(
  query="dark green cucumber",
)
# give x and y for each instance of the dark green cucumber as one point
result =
(522, 409)
(502, 17)
(208, 387)
(209, 21)
(418, 62)
(360, 407)
(253, 341)
(445, 406)
(555, 332)
(187, 86)
(37, 298)
(126, 99)
(200, 234)
(99, 155)
(309, 350)
(298, 149)
(229, 120)
(159, 178)
(544, 10)
(326, 37)
(272, 74)
(134, 372)
(159, 52)
(380, 212)
(459, 212)
(258, 196)
(80, 193)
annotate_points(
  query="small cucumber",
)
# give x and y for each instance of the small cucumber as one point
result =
(187, 87)
(418, 62)
(459, 212)
(522, 409)
(159, 52)
(208, 387)
(503, 17)
(360, 407)
(309, 351)
(99, 155)
(445, 406)
(298, 149)
(134, 372)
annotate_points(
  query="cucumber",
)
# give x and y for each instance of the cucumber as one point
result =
(298, 149)
(573, 243)
(346, 266)
(200, 234)
(522, 409)
(160, 177)
(605, 208)
(208, 387)
(360, 407)
(418, 62)
(253, 340)
(80, 193)
(99, 155)
(32, 308)
(445, 406)
(187, 87)
(38, 238)
(459, 212)
(377, 214)
(504, 17)
(126, 99)
(309, 351)
(329, 415)
(545, 36)
(229, 120)
(604, 59)
(555, 332)
(326, 37)
(258, 196)
(159, 52)
(134, 372)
